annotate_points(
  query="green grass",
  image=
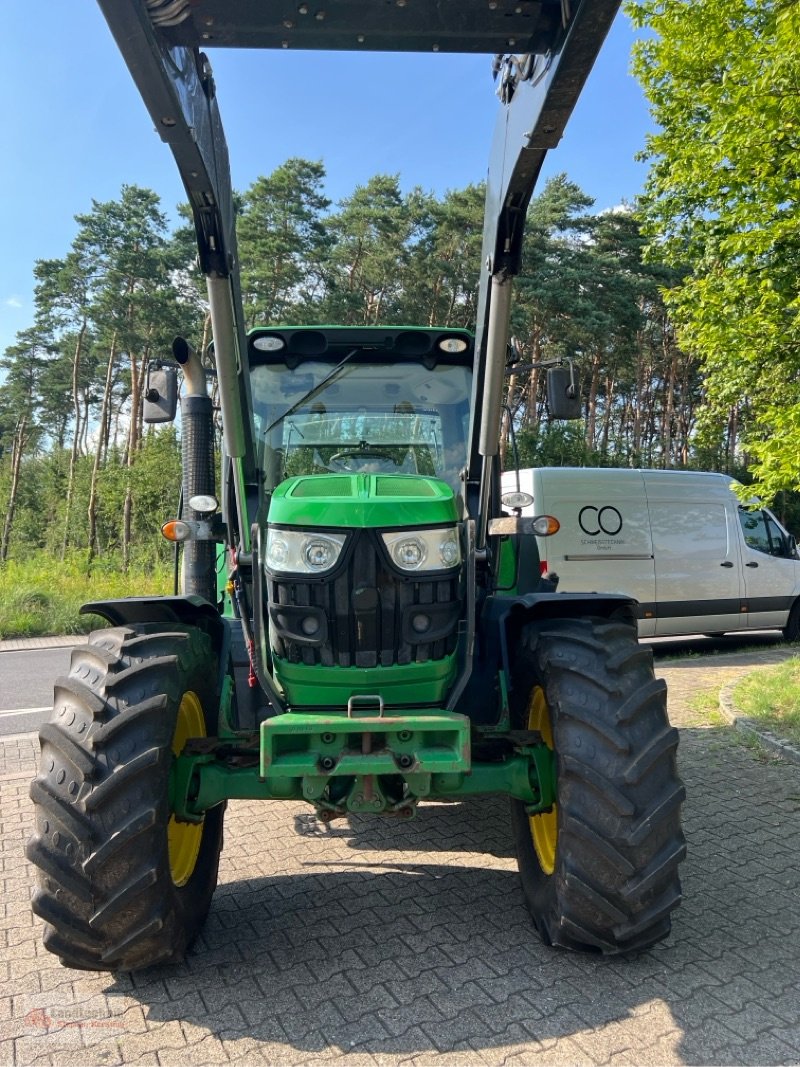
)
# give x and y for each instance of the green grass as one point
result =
(42, 596)
(705, 713)
(771, 697)
(704, 709)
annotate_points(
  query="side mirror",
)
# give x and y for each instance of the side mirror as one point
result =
(791, 547)
(160, 400)
(513, 352)
(563, 393)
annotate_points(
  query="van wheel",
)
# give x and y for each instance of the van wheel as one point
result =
(600, 870)
(122, 884)
(791, 630)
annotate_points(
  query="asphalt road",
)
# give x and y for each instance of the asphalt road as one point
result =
(26, 687)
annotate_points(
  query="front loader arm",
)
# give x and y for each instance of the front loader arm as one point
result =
(540, 94)
(177, 87)
(544, 51)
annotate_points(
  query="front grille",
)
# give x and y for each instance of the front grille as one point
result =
(365, 611)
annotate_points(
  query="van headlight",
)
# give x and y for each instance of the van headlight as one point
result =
(424, 550)
(302, 551)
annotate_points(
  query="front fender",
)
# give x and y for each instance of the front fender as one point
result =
(187, 610)
(503, 617)
(165, 611)
(499, 623)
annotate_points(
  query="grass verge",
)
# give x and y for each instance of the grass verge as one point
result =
(703, 709)
(771, 697)
(41, 595)
(704, 712)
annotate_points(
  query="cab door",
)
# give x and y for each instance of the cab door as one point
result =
(771, 569)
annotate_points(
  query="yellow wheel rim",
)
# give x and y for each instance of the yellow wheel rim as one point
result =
(544, 827)
(184, 838)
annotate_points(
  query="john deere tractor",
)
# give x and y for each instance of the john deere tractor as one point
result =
(381, 633)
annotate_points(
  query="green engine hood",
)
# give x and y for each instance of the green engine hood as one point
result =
(363, 500)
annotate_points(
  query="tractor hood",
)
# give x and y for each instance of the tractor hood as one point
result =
(353, 501)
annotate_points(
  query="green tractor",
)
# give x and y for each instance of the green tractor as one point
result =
(362, 623)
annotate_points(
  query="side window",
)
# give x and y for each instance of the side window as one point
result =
(776, 537)
(755, 530)
(762, 533)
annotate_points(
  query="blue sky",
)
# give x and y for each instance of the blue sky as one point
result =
(75, 128)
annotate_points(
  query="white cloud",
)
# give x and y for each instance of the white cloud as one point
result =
(12, 302)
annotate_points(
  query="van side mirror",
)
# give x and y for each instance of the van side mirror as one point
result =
(160, 400)
(563, 393)
(791, 546)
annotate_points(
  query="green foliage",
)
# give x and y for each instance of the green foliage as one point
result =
(283, 242)
(41, 502)
(722, 78)
(79, 473)
(586, 292)
(554, 445)
(42, 595)
(443, 284)
(372, 236)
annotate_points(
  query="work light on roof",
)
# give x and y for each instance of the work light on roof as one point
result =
(270, 343)
(516, 500)
(453, 344)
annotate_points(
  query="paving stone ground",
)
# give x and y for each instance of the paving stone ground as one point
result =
(378, 943)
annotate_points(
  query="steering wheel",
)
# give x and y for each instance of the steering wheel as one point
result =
(358, 452)
(341, 458)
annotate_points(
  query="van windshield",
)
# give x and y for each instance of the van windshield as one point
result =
(361, 417)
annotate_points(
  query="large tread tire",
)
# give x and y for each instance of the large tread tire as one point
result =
(105, 885)
(618, 842)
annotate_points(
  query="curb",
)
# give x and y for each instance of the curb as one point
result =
(25, 644)
(769, 740)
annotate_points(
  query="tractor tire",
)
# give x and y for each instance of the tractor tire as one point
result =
(600, 870)
(121, 884)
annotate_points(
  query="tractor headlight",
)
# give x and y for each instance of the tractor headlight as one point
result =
(301, 552)
(424, 550)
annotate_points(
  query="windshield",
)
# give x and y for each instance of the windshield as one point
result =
(361, 417)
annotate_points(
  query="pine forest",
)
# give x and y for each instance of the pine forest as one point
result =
(73, 445)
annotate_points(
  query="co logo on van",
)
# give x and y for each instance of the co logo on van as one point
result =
(594, 521)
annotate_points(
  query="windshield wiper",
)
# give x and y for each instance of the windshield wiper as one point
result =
(311, 392)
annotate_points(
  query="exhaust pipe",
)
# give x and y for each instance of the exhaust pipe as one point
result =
(198, 569)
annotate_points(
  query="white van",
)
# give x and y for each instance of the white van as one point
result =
(679, 542)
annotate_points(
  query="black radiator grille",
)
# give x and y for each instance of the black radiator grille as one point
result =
(367, 608)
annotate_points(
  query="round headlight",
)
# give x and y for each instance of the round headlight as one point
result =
(319, 554)
(277, 551)
(449, 552)
(409, 553)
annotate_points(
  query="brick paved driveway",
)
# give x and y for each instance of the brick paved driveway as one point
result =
(382, 943)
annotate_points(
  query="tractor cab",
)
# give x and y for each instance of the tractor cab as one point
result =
(361, 401)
